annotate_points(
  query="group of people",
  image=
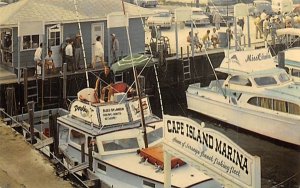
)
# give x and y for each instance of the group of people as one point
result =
(266, 25)
(207, 39)
(71, 53)
(49, 63)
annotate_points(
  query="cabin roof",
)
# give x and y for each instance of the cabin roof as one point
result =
(58, 11)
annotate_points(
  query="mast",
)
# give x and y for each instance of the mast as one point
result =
(137, 86)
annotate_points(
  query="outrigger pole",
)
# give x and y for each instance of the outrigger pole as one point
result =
(137, 85)
(82, 46)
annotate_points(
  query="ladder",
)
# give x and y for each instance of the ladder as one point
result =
(32, 90)
(186, 64)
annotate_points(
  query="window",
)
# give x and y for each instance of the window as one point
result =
(283, 77)
(294, 108)
(148, 184)
(30, 42)
(155, 135)
(54, 39)
(296, 72)
(120, 144)
(280, 106)
(240, 80)
(63, 134)
(265, 81)
(262, 102)
(102, 167)
(77, 137)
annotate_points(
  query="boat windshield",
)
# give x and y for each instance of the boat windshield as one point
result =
(265, 81)
(283, 77)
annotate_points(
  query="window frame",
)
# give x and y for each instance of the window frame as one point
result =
(31, 47)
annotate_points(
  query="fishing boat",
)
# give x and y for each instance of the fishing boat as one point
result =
(117, 137)
(255, 96)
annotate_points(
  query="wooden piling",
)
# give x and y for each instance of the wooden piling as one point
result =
(91, 158)
(55, 135)
(25, 72)
(30, 121)
(65, 68)
(51, 131)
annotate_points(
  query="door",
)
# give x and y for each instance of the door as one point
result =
(97, 30)
(54, 42)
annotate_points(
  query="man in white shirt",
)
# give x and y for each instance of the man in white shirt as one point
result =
(239, 34)
(98, 52)
(69, 55)
(38, 59)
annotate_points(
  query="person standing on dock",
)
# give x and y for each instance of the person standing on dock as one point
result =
(69, 55)
(266, 28)
(77, 51)
(104, 83)
(217, 19)
(38, 59)
(98, 52)
(214, 38)
(258, 28)
(114, 48)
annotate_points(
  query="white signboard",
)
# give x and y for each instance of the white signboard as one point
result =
(31, 28)
(85, 112)
(183, 14)
(241, 10)
(136, 110)
(211, 149)
(117, 19)
(113, 114)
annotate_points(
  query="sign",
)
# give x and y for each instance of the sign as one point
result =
(136, 110)
(117, 19)
(84, 111)
(183, 14)
(211, 149)
(241, 10)
(113, 114)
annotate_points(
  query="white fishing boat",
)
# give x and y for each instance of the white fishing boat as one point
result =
(256, 96)
(117, 137)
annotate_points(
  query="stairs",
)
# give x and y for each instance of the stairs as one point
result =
(186, 64)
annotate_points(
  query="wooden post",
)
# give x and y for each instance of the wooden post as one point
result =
(30, 112)
(55, 135)
(91, 158)
(167, 169)
(25, 85)
(82, 153)
(65, 68)
(51, 133)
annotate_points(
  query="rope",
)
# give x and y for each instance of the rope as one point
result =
(285, 180)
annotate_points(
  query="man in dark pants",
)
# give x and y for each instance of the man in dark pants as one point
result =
(104, 83)
(69, 55)
(77, 51)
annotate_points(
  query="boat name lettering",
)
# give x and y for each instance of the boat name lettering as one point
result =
(257, 57)
(82, 110)
(214, 145)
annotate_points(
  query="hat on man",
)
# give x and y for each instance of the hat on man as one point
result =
(78, 35)
(114, 35)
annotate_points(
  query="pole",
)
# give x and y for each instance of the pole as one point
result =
(25, 85)
(248, 25)
(65, 66)
(142, 110)
(176, 39)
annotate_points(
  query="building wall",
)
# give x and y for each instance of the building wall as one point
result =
(136, 34)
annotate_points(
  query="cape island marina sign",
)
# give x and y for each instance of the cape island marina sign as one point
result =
(211, 152)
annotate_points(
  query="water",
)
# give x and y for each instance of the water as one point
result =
(280, 164)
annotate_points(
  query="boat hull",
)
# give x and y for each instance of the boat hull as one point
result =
(272, 125)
